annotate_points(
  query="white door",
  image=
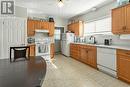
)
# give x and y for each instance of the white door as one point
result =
(1, 37)
(12, 33)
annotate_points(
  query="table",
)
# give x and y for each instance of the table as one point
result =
(29, 73)
(18, 47)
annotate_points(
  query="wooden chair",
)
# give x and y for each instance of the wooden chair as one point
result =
(20, 52)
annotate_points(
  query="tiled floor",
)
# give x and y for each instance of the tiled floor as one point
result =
(67, 72)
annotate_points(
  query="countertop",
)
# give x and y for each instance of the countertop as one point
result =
(32, 44)
(22, 73)
(108, 46)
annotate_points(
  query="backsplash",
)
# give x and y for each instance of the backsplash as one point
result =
(42, 36)
(115, 39)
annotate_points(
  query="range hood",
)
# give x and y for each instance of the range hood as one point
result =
(41, 31)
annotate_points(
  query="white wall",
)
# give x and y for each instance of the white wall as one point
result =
(99, 13)
(20, 12)
(60, 22)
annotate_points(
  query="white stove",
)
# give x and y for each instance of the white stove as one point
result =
(43, 48)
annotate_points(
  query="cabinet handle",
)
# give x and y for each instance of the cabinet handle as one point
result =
(123, 27)
(128, 53)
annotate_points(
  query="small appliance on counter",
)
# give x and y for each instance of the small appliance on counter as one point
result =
(51, 19)
(92, 40)
(107, 41)
(31, 40)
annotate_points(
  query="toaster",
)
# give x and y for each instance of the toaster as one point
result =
(107, 41)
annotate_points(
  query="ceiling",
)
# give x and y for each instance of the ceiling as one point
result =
(49, 7)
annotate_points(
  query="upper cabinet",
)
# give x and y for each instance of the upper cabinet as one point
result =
(77, 28)
(44, 25)
(30, 28)
(121, 20)
(128, 18)
(32, 25)
(51, 28)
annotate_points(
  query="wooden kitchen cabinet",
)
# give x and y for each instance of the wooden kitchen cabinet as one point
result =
(84, 53)
(32, 25)
(76, 27)
(128, 19)
(74, 51)
(44, 25)
(92, 55)
(32, 50)
(51, 28)
(121, 20)
(37, 24)
(88, 55)
(69, 27)
(123, 65)
(52, 50)
(30, 28)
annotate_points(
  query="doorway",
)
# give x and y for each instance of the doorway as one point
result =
(57, 37)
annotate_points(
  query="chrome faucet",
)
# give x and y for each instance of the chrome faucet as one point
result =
(94, 39)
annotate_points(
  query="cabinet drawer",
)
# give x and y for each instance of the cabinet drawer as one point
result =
(123, 52)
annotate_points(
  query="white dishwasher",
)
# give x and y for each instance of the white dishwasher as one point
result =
(106, 60)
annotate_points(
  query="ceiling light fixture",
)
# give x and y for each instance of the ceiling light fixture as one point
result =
(60, 3)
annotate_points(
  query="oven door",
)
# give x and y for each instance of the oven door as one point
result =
(42, 49)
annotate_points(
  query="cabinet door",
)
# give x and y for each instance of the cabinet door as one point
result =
(118, 20)
(84, 55)
(69, 27)
(32, 50)
(127, 19)
(51, 28)
(45, 25)
(92, 58)
(76, 29)
(37, 24)
(52, 50)
(30, 28)
(72, 26)
(123, 67)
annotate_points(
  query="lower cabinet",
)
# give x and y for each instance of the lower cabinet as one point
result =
(88, 55)
(32, 50)
(74, 51)
(52, 50)
(123, 65)
(84, 53)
